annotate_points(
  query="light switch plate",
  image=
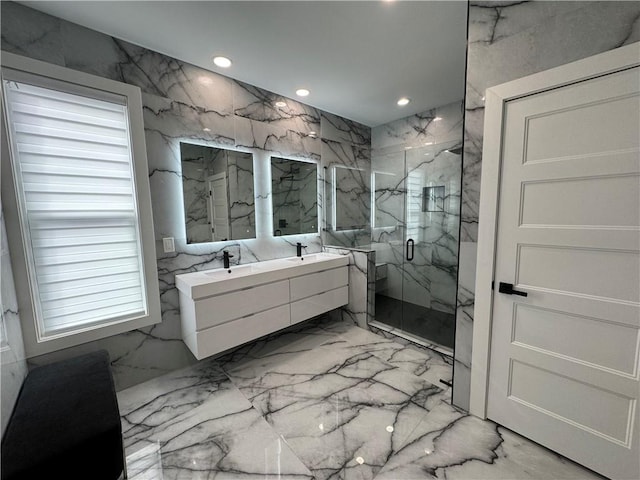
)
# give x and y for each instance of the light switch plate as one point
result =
(169, 245)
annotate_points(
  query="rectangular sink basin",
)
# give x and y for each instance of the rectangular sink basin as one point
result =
(232, 272)
(214, 282)
(313, 257)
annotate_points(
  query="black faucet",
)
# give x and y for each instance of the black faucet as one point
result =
(225, 258)
(299, 248)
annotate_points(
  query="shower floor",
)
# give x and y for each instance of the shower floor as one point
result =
(431, 325)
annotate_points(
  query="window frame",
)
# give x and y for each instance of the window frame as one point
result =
(52, 76)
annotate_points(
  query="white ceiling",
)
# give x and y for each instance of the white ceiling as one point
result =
(356, 57)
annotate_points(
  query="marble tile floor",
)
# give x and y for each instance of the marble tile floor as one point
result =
(324, 400)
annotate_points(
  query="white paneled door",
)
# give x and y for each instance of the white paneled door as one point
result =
(564, 362)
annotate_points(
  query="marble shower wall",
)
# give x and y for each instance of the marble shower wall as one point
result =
(186, 103)
(425, 140)
(362, 286)
(437, 125)
(509, 40)
(438, 231)
(13, 366)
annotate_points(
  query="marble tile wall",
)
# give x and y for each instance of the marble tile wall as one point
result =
(436, 232)
(346, 162)
(242, 202)
(362, 286)
(422, 142)
(186, 103)
(13, 366)
(509, 40)
(351, 197)
(437, 125)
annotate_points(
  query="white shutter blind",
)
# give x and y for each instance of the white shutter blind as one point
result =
(74, 178)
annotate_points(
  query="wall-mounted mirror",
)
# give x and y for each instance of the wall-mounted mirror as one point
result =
(294, 193)
(218, 193)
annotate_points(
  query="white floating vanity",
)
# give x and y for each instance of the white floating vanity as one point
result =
(224, 308)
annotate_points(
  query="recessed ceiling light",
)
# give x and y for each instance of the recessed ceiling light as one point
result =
(206, 129)
(437, 119)
(280, 104)
(222, 62)
(302, 92)
(312, 134)
(403, 101)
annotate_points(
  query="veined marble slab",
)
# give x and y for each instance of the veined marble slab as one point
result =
(344, 411)
(362, 283)
(202, 427)
(422, 362)
(323, 400)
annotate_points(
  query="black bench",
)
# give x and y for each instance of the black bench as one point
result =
(66, 423)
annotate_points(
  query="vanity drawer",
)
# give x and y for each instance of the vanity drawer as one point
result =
(314, 283)
(229, 306)
(222, 337)
(318, 304)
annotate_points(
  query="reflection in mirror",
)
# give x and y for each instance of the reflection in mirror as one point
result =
(218, 193)
(350, 198)
(294, 193)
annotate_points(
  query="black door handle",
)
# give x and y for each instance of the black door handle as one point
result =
(410, 244)
(508, 289)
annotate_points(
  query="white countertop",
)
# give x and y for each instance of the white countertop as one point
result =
(221, 280)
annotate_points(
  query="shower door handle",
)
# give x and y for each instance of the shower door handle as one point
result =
(410, 248)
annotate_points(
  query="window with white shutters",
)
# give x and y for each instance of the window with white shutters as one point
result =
(76, 197)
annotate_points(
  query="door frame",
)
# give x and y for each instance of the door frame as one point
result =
(210, 180)
(495, 106)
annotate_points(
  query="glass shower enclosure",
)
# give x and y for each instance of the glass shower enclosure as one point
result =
(415, 223)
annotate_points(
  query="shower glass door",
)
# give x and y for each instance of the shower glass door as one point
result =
(416, 198)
